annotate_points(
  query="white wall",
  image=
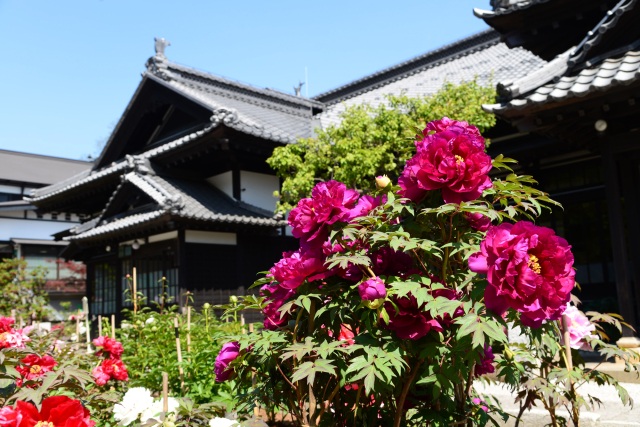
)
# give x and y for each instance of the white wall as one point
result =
(213, 237)
(223, 182)
(258, 188)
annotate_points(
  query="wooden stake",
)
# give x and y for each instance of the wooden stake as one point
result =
(13, 313)
(256, 407)
(189, 329)
(242, 323)
(85, 310)
(180, 370)
(135, 292)
(567, 346)
(165, 394)
(113, 326)
(99, 325)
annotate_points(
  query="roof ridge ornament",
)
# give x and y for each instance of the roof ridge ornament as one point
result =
(227, 116)
(157, 64)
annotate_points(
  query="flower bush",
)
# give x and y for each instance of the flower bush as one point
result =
(397, 302)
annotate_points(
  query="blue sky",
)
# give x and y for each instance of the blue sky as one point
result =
(68, 68)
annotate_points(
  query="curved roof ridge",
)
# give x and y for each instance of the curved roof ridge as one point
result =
(416, 64)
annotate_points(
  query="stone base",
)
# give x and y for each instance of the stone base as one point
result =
(632, 344)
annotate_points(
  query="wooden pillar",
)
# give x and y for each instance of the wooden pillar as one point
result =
(624, 286)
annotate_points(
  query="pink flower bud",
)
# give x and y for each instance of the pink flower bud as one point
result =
(382, 181)
(372, 289)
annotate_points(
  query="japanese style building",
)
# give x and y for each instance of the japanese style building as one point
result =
(577, 131)
(182, 189)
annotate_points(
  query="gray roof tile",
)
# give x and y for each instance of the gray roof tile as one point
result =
(611, 72)
(491, 63)
(180, 199)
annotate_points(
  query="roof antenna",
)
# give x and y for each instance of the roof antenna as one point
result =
(161, 44)
(298, 89)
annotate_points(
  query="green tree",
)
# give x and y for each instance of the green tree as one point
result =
(372, 141)
(22, 290)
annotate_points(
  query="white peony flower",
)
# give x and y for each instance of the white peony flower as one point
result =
(134, 402)
(222, 422)
(151, 416)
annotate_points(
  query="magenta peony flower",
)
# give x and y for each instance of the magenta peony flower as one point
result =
(365, 205)
(486, 364)
(108, 369)
(414, 322)
(276, 297)
(477, 221)
(296, 267)
(228, 354)
(330, 202)
(372, 289)
(454, 126)
(579, 328)
(529, 269)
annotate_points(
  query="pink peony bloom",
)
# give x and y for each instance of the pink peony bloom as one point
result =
(372, 289)
(481, 403)
(228, 354)
(579, 328)
(529, 269)
(9, 417)
(347, 334)
(365, 205)
(110, 348)
(6, 324)
(477, 221)
(108, 369)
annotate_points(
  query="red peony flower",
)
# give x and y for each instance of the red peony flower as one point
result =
(347, 334)
(9, 337)
(451, 157)
(34, 367)
(228, 354)
(9, 417)
(108, 369)
(57, 411)
(6, 324)
(529, 269)
(372, 289)
(110, 348)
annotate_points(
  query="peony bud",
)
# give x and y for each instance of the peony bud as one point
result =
(372, 289)
(233, 299)
(382, 182)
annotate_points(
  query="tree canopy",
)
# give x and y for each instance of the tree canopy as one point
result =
(372, 141)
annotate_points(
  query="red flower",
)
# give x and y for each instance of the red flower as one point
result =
(108, 369)
(6, 324)
(57, 411)
(228, 354)
(486, 364)
(110, 348)
(529, 269)
(35, 367)
(451, 157)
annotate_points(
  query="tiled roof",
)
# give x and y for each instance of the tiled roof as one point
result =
(483, 58)
(36, 169)
(609, 73)
(504, 7)
(128, 163)
(264, 113)
(562, 78)
(181, 199)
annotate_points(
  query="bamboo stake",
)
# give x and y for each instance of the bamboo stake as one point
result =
(13, 313)
(99, 325)
(180, 370)
(78, 327)
(242, 323)
(135, 292)
(189, 329)
(165, 395)
(567, 346)
(85, 309)
(113, 326)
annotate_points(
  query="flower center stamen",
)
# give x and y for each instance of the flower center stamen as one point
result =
(534, 265)
(35, 369)
(44, 424)
(459, 159)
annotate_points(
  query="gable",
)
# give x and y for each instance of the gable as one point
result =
(156, 114)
